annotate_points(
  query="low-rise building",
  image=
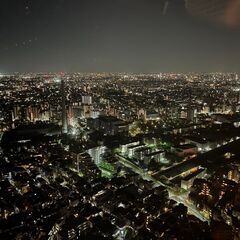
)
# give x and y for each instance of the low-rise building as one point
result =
(185, 150)
(157, 155)
(187, 181)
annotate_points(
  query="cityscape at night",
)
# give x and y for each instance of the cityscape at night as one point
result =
(120, 120)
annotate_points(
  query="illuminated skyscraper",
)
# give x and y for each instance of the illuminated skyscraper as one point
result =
(64, 113)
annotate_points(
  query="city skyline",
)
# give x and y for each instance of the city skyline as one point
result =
(120, 119)
(120, 156)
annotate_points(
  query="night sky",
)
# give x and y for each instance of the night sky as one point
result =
(112, 36)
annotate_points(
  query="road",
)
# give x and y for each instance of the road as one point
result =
(127, 163)
(191, 208)
(174, 193)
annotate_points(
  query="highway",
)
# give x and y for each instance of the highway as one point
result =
(179, 197)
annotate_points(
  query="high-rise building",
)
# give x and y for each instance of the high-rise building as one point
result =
(86, 100)
(191, 113)
(64, 112)
(33, 113)
(15, 112)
